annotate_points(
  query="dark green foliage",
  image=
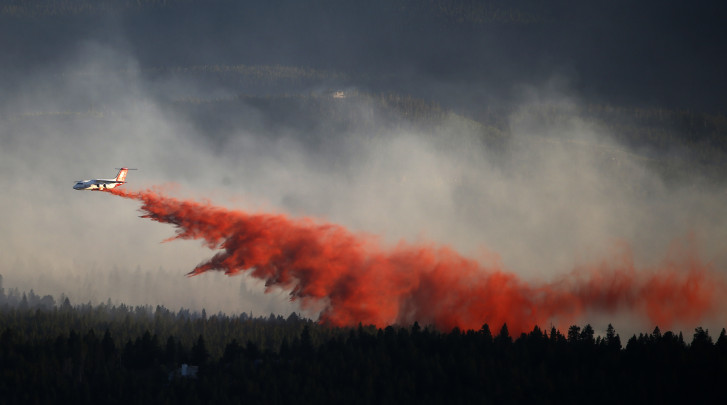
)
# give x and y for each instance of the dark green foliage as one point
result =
(612, 340)
(59, 355)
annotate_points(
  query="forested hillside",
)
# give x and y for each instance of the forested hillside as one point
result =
(680, 145)
(646, 82)
(543, 131)
(102, 353)
(653, 54)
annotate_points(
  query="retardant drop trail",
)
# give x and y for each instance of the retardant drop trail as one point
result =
(357, 280)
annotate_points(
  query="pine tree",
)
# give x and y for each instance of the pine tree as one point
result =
(199, 353)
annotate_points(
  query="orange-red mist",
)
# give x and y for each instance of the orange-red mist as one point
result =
(357, 280)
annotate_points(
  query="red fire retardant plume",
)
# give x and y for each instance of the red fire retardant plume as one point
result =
(357, 280)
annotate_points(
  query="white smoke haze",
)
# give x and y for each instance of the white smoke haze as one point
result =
(560, 194)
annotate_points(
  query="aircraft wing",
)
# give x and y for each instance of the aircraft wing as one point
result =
(104, 181)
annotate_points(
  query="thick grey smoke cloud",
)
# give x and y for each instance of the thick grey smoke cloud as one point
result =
(89, 116)
(556, 194)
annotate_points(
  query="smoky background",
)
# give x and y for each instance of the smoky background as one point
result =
(547, 195)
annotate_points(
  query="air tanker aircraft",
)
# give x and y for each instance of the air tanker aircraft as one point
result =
(103, 184)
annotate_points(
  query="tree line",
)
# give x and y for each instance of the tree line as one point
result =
(115, 353)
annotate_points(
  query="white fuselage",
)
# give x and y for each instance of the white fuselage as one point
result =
(97, 184)
(103, 184)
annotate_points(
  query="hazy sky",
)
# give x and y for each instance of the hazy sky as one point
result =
(558, 195)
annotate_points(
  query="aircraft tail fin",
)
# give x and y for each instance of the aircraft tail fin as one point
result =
(122, 174)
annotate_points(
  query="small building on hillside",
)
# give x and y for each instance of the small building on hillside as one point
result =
(185, 371)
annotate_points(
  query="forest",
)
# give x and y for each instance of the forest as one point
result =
(303, 104)
(118, 354)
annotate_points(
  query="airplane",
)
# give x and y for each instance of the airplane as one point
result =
(103, 184)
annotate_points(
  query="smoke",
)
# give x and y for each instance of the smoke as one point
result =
(554, 194)
(355, 278)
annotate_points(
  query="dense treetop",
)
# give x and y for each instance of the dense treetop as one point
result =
(114, 353)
